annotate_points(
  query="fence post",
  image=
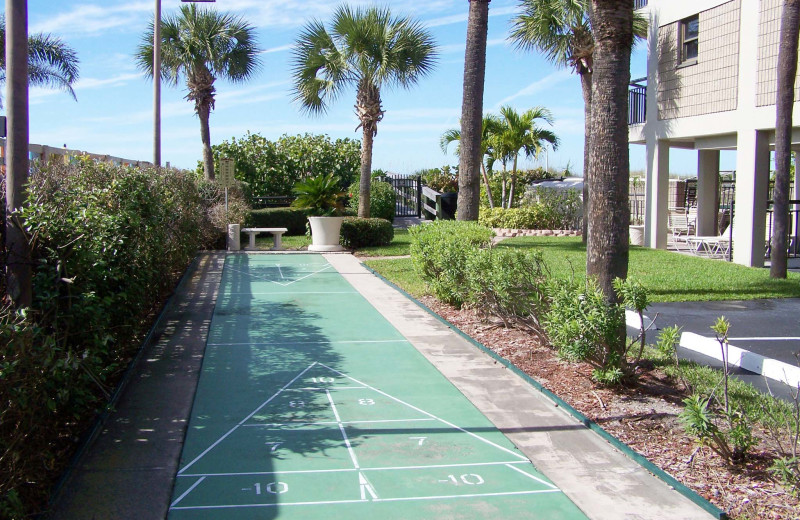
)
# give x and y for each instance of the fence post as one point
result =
(419, 196)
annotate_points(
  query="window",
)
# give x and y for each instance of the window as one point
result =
(688, 30)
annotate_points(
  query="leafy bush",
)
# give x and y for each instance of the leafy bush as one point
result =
(510, 284)
(382, 199)
(293, 219)
(443, 180)
(365, 232)
(583, 326)
(320, 195)
(215, 216)
(566, 206)
(541, 209)
(272, 168)
(438, 254)
(107, 243)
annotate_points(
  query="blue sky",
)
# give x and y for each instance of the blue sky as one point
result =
(113, 114)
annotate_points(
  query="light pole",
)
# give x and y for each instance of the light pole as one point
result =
(157, 79)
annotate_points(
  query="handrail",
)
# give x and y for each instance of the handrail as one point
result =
(44, 152)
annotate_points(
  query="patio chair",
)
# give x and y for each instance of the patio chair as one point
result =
(712, 246)
(678, 222)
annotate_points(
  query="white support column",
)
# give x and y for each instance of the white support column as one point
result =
(750, 209)
(707, 192)
(657, 195)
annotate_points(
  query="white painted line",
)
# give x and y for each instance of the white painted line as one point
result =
(284, 293)
(341, 429)
(534, 477)
(632, 319)
(265, 279)
(330, 502)
(366, 487)
(279, 271)
(765, 339)
(350, 470)
(262, 405)
(767, 367)
(367, 421)
(427, 413)
(191, 488)
(471, 495)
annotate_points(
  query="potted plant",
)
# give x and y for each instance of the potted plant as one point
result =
(636, 232)
(322, 196)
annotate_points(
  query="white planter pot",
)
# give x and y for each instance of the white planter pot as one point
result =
(637, 235)
(325, 233)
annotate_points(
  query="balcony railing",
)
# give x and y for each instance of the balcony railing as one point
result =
(637, 98)
(638, 4)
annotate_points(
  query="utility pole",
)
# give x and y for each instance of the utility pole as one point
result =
(18, 259)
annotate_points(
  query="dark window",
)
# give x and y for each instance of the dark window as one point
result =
(689, 29)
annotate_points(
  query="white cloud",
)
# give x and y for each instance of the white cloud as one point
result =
(115, 81)
(545, 83)
(462, 17)
(461, 47)
(87, 19)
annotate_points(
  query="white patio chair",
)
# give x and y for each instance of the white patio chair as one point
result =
(712, 246)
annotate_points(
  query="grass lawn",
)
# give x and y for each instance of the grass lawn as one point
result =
(667, 275)
(290, 243)
(399, 246)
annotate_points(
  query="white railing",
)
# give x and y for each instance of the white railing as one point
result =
(40, 152)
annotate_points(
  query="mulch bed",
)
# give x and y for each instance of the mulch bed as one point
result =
(645, 417)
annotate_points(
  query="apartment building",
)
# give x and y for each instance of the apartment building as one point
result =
(711, 86)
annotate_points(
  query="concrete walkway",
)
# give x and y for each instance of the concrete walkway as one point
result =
(128, 471)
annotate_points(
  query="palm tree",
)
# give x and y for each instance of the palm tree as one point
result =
(562, 31)
(609, 217)
(201, 45)
(51, 62)
(787, 69)
(367, 48)
(471, 111)
(519, 133)
(490, 126)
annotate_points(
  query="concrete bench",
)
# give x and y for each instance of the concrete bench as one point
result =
(277, 233)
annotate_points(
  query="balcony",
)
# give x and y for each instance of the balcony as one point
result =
(637, 99)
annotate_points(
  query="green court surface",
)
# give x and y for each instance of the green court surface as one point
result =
(311, 404)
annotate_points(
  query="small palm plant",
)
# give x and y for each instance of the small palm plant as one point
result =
(321, 195)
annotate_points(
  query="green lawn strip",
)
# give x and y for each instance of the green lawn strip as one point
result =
(399, 246)
(400, 272)
(290, 243)
(667, 275)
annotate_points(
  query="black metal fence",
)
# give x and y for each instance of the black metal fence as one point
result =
(408, 190)
(638, 4)
(637, 100)
(271, 202)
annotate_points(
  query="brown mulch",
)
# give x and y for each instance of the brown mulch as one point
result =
(644, 417)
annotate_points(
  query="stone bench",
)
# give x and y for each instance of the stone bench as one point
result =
(277, 233)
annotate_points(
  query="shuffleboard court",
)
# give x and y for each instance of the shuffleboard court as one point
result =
(311, 405)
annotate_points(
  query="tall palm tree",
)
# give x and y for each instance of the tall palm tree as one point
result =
(609, 217)
(562, 31)
(520, 133)
(202, 45)
(51, 62)
(490, 125)
(367, 48)
(787, 69)
(471, 111)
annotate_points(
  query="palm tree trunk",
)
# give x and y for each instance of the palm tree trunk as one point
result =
(366, 173)
(488, 187)
(18, 252)
(513, 182)
(787, 69)
(609, 211)
(586, 87)
(469, 188)
(203, 113)
(503, 189)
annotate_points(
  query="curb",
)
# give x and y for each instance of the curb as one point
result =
(624, 448)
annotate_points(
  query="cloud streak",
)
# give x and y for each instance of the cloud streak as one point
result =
(548, 82)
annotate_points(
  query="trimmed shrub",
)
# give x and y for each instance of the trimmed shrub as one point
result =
(382, 199)
(565, 205)
(293, 219)
(365, 232)
(438, 254)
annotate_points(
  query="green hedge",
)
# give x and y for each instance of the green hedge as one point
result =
(365, 232)
(108, 244)
(293, 219)
(438, 254)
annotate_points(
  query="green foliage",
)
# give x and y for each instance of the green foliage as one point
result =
(365, 232)
(321, 195)
(400, 246)
(540, 209)
(438, 253)
(293, 219)
(107, 243)
(508, 284)
(382, 199)
(731, 443)
(272, 168)
(566, 205)
(787, 469)
(443, 180)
